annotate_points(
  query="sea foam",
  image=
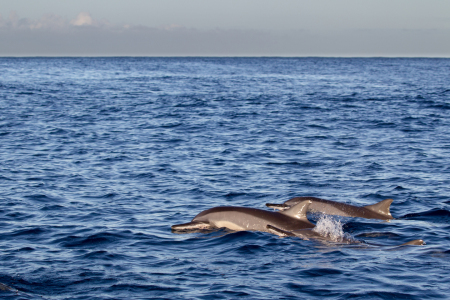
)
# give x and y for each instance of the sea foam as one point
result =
(330, 228)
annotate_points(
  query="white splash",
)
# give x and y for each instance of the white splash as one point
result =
(330, 228)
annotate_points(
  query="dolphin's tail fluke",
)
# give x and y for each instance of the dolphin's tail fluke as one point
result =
(277, 206)
(191, 226)
(382, 208)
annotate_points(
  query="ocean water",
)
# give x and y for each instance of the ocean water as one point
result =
(100, 156)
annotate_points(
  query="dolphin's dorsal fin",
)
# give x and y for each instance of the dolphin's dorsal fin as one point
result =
(381, 207)
(298, 211)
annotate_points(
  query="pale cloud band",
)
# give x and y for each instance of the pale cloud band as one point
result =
(49, 22)
(52, 35)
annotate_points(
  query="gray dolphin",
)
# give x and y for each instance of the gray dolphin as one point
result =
(379, 210)
(306, 234)
(290, 222)
(245, 218)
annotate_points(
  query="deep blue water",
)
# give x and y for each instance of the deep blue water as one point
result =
(100, 156)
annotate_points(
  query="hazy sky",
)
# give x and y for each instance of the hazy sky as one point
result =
(225, 27)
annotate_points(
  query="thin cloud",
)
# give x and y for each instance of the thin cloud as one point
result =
(172, 27)
(83, 19)
(48, 21)
(51, 22)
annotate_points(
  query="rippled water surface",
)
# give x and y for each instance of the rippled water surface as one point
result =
(100, 156)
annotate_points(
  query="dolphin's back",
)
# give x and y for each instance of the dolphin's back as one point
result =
(379, 210)
(245, 218)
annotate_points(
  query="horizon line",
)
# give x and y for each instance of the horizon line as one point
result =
(222, 56)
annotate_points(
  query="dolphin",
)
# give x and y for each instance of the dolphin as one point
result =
(378, 210)
(306, 234)
(252, 219)
(289, 222)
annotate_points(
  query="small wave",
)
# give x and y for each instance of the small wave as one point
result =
(102, 255)
(25, 93)
(139, 288)
(318, 272)
(234, 195)
(116, 158)
(308, 164)
(435, 215)
(104, 196)
(18, 216)
(58, 131)
(26, 249)
(31, 231)
(41, 197)
(250, 249)
(379, 295)
(5, 178)
(90, 241)
(144, 175)
(52, 207)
